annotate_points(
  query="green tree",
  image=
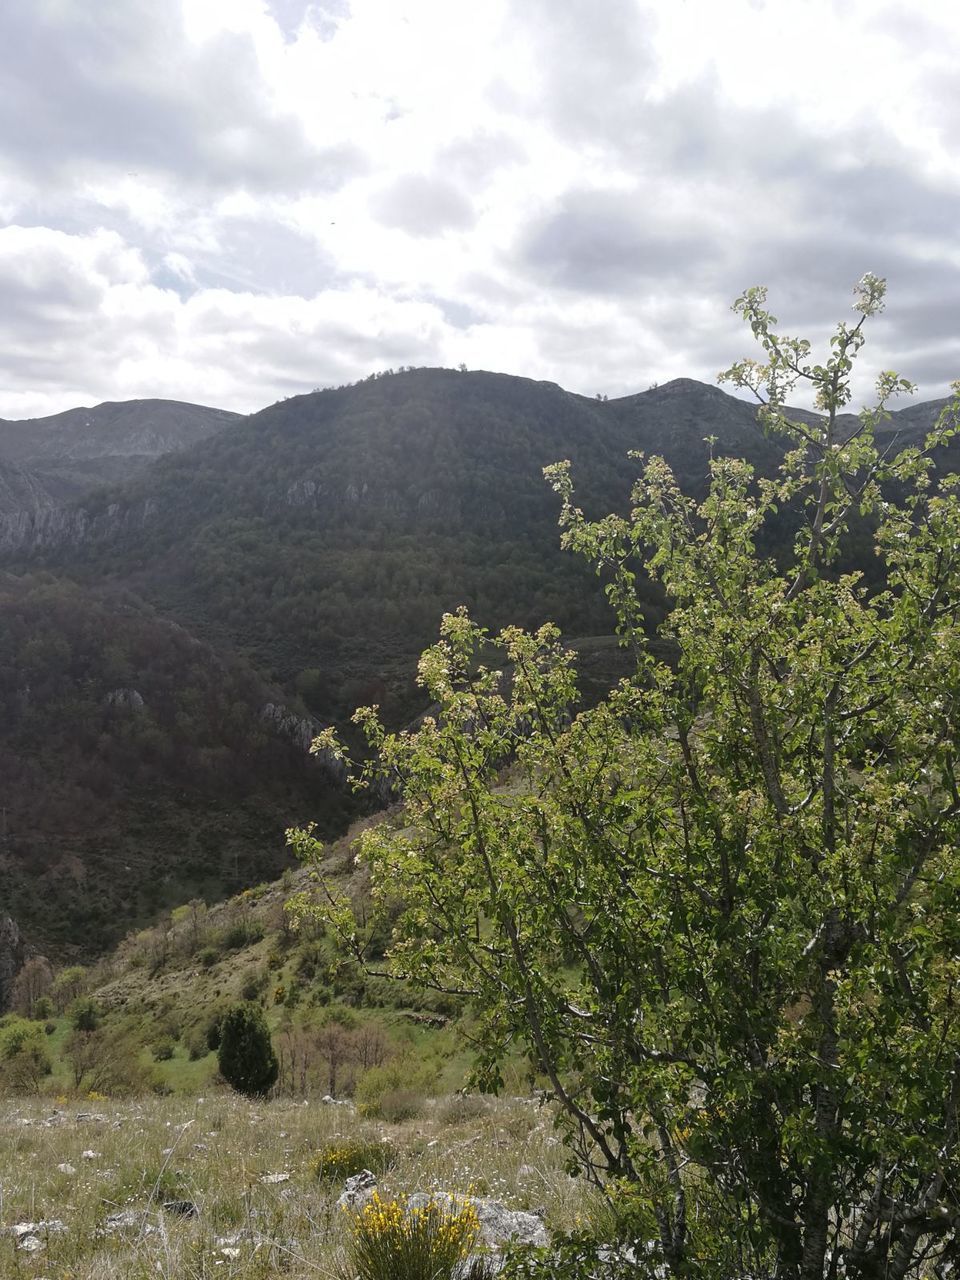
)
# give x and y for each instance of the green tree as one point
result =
(245, 1055)
(24, 1058)
(719, 910)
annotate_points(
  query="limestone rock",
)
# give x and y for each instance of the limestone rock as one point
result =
(498, 1224)
(357, 1191)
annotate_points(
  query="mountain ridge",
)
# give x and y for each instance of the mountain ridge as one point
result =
(310, 548)
(46, 463)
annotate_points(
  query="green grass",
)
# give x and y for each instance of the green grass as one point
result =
(216, 1153)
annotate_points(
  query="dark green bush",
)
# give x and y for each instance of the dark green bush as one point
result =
(246, 1057)
(84, 1014)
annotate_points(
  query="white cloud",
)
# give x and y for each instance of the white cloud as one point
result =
(231, 200)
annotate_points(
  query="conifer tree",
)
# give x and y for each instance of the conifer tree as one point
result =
(246, 1057)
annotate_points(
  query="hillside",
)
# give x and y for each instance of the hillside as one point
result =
(26, 491)
(302, 557)
(68, 454)
(139, 767)
(324, 536)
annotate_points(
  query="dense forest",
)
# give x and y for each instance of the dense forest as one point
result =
(138, 766)
(325, 536)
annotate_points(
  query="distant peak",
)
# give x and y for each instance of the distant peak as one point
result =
(685, 386)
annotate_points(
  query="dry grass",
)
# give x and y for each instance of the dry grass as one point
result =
(216, 1153)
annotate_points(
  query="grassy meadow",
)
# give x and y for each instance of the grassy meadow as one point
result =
(253, 1173)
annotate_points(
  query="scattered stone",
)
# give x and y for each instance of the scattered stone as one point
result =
(272, 1178)
(181, 1208)
(498, 1224)
(89, 1155)
(31, 1237)
(357, 1191)
(65, 1168)
(127, 1220)
(90, 1117)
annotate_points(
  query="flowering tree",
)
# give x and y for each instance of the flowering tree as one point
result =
(719, 911)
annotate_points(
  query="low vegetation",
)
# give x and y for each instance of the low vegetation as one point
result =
(220, 1186)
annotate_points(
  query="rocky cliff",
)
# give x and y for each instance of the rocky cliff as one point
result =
(46, 463)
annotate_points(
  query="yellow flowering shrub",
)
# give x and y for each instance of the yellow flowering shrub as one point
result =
(390, 1242)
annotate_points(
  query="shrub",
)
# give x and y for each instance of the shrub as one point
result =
(106, 1061)
(578, 1257)
(399, 1074)
(242, 934)
(398, 1105)
(195, 1042)
(163, 1050)
(462, 1107)
(84, 1014)
(341, 1159)
(214, 1027)
(24, 1058)
(246, 1057)
(208, 957)
(428, 1243)
(253, 985)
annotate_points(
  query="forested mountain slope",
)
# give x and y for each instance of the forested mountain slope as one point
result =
(325, 535)
(137, 767)
(302, 557)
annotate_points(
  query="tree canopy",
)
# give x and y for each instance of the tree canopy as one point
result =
(719, 910)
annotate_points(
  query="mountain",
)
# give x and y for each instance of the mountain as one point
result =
(302, 560)
(137, 767)
(68, 454)
(324, 536)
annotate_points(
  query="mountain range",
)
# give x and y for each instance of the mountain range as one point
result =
(172, 571)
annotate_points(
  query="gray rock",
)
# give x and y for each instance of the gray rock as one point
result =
(498, 1224)
(357, 1191)
(181, 1208)
(127, 1220)
(31, 1237)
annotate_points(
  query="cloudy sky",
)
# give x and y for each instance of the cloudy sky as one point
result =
(229, 201)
